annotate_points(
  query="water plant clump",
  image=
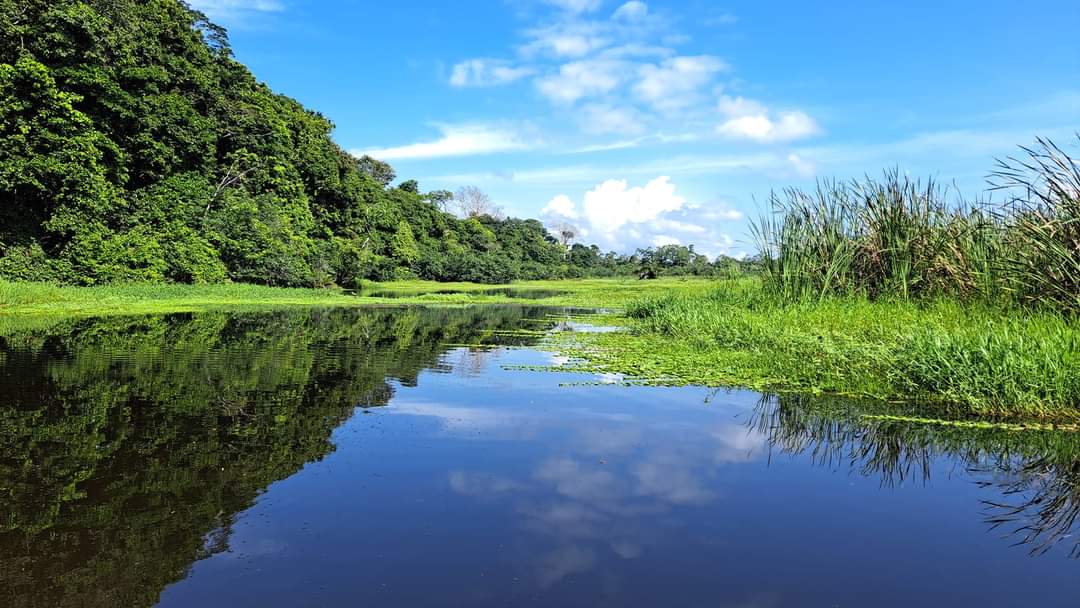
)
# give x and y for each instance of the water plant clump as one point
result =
(898, 237)
(1042, 219)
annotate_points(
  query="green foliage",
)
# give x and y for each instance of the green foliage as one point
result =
(901, 238)
(973, 358)
(1042, 252)
(403, 246)
(52, 178)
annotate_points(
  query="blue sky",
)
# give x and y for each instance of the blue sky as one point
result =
(646, 123)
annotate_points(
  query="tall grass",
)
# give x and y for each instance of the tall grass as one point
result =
(1042, 215)
(905, 238)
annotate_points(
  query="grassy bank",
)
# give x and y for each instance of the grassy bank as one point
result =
(951, 358)
(47, 299)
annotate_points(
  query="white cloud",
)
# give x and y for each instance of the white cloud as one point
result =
(560, 206)
(567, 39)
(675, 82)
(456, 140)
(760, 127)
(739, 106)
(613, 204)
(617, 216)
(722, 19)
(802, 167)
(602, 118)
(749, 119)
(667, 224)
(633, 49)
(482, 72)
(233, 8)
(576, 6)
(725, 214)
(581, 79)
(631, 11)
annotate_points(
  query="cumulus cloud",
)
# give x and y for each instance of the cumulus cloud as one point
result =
(483, 72)
(579, 79)
(675, 82)
(616, 215)
(614, 204)
(560, 206)
(456, 140)
(748, 119)
(760, 127)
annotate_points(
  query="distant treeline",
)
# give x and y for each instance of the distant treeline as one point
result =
(134, 147)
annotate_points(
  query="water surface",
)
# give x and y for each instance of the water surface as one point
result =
(332, 457)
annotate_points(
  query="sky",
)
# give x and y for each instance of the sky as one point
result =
(644, 123)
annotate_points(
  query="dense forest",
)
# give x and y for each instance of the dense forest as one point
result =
(134, 147)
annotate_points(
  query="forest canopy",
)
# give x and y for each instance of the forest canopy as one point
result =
(134, 147)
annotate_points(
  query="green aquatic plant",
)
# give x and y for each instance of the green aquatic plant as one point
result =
(898, 237)
(1042, 259)
(889, 237)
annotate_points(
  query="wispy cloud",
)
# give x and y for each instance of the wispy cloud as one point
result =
(621, 73)
(236, 8)
(484, 72)
(456, 140)
(581, 79)
(721, 19)
(631, 11)
(576, 6)
(676, 81)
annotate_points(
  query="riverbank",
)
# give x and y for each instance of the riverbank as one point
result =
(943, 357)
(140, 298)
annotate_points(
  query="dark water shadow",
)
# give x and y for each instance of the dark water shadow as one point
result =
(1037, 472)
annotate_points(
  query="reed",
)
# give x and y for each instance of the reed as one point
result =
(1042, 219)
(898, 237)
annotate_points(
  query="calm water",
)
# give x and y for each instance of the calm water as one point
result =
(370, 457)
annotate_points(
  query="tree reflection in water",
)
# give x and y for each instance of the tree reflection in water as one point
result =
(129, 444)
(1036, 472)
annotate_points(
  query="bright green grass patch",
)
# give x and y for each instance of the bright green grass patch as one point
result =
(140, 298)
(42, 298)
(949, 357)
